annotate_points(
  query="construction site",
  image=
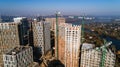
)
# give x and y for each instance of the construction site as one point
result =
(97, 57)
(61, 44)
(89, 56)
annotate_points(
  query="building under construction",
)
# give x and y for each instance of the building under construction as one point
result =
(9, 37)
(97, 57)
(18, 57)
(52, 21)
(23, 29)
(41, 36)
(69, 41)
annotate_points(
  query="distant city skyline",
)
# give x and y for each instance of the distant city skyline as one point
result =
(66, 7)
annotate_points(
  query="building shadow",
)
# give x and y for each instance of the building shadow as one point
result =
(37, 54)
(55, 63)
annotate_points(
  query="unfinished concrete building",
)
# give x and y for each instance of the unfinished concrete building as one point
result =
(97, 57)
(52, 21)
(18, 57)
(23, 29)
(9, 37)
(69, 41)
(41, 36)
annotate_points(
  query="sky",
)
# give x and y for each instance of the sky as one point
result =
(66, 7)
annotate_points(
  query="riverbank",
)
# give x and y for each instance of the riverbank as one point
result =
(115, 41)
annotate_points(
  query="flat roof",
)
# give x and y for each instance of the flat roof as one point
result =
(17, 50)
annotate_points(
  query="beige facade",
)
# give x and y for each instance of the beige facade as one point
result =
(53, 22)
(69, 44)
(9, 37)
(93, 58)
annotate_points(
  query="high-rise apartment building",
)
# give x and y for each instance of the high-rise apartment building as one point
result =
(23, 29)
(69, 41)
(18, 57)
(18, 19)
(97, 57)
(53, 21)
(41, 36)
(9, 37)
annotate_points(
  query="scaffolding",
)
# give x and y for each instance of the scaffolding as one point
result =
(98, 57)
(104, 51)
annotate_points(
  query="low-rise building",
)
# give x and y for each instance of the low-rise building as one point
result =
(18, 57)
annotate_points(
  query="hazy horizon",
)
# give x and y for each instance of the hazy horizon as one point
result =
(66, 7)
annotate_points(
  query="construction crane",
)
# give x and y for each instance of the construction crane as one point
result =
(82, 39)
(104, 51)
(56, 35)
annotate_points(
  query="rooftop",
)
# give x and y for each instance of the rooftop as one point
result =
(17, 50)
(87, 46)
(8, 23)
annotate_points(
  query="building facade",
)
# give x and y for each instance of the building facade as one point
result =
(23, 29)
(41, 36)
(69, 41)
(18, 57)
(9, 37)
(18, 19)
(96, 57)
(53, 21)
